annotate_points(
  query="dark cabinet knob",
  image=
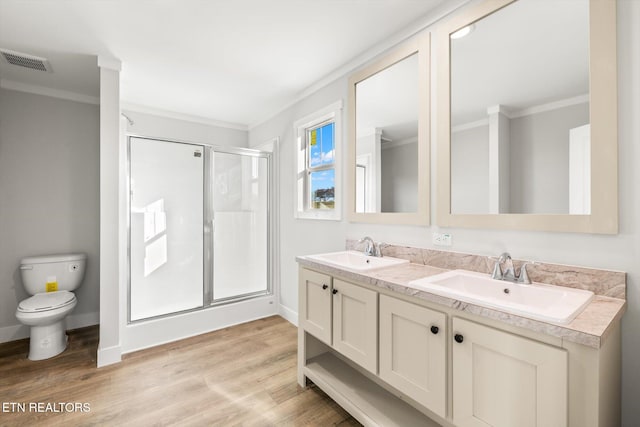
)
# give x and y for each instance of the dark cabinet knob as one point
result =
(459, 338)
(325, 286)
(434, 330)
(335, 291)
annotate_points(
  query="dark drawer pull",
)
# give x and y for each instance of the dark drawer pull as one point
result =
(459, 338)
(324, 286)
(434, 330)
(335, 291)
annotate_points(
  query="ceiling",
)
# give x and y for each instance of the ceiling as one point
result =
(237, 61)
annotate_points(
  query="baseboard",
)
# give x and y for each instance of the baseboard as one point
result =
(74, 321)
(109, 356)
(153, 332)
(13, 333)
(288, 314)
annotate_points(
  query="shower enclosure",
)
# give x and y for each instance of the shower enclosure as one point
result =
(199, 229)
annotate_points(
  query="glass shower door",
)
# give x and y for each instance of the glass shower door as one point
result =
(240, 203)
(166, 234)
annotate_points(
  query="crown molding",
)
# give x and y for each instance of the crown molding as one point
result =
(556, 105)
(137, 108)
(47, 91)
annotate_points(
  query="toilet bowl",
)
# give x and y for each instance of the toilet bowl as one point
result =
(46, 313)
(50, 280)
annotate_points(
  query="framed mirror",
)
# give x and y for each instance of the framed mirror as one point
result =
(527, 117)
(388, 144)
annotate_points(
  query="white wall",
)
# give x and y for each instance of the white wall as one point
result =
(300, 236)
(145, 124)
(49, 196)
(619, 252)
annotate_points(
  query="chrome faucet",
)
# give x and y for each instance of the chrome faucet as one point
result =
(524, 276)
(509, 274)
(371, 249)
(498, 274)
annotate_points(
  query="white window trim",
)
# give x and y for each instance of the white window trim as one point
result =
(300, 210)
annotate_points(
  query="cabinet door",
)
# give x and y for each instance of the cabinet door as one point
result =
(413, 351)
(315, 304)
(355, 323)
(503, 380)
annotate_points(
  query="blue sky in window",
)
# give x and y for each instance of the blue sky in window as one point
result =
(322, 152)
(323, 180)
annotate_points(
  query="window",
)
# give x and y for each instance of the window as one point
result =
(318, 171)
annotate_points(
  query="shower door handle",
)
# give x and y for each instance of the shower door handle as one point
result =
(212, 231)
(209, 231)
(208, 249)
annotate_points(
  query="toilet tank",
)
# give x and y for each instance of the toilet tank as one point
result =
(49, 273)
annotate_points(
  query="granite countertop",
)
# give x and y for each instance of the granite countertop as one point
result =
(589, 328)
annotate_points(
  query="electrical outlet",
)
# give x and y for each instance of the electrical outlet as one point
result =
(442, 239)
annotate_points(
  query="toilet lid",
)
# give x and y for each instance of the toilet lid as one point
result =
(46, 301)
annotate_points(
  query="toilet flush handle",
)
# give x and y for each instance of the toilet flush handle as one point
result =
(26, 267)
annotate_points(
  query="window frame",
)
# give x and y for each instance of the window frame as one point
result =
(302, 185)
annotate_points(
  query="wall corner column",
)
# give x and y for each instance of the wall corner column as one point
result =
(499, 160)
(109, 349)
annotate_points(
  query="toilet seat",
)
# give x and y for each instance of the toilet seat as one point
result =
(46, 301)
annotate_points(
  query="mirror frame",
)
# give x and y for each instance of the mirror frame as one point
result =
(419, 45)
(603, 105)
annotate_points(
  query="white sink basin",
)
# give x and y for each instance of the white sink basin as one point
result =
(537, 301)
(356, 261)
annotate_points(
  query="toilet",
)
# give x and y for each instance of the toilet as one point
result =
(50, 280)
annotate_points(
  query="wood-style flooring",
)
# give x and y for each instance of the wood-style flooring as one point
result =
(244, 375)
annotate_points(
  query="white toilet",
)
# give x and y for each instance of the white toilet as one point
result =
(50, 279)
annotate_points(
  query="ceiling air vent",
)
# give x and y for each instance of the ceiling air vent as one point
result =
(25, 60)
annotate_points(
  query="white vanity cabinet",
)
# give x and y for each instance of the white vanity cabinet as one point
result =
(413, 353)
(355, 323)
(315, 304)
(338, 351)
(502, 380)
(342, 315)
(394, 360)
